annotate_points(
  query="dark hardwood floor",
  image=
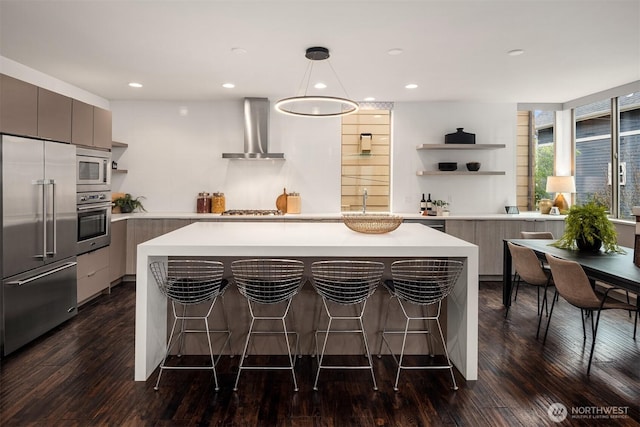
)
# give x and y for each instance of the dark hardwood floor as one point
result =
(81, 374)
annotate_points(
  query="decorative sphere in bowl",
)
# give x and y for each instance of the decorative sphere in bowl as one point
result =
(473, 166)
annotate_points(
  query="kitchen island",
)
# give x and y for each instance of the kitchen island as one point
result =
(306, 241)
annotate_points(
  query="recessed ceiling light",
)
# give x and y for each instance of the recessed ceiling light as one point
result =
(238, 50)
(134, 84)
(515, 52)
(320, 86)
(370, 98)
(228, 85)
(411, 86)
(395, 51)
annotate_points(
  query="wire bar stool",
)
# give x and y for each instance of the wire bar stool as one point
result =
(188, 283)
(345, 282)
(425, 283)
(268, 281)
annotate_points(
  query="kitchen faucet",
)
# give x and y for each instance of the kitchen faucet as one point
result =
(364, 201)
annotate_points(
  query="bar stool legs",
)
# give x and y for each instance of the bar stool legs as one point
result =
(286, 333)
(345, 283)
(327, 331)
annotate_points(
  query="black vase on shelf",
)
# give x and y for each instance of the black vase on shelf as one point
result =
(460, 137)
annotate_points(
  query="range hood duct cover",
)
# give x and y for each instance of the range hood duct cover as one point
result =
(256, 132)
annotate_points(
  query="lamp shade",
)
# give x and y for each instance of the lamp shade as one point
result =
(561, 184)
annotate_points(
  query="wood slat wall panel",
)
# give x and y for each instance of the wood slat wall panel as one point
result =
(365, 170)
(376, 139)
(371, 170)
(522, 160)
(354, 150)
(372, 190)
(365, 181)
(382, 161)
(358, 129)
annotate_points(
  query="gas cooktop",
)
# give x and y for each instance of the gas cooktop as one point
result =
(259, 212)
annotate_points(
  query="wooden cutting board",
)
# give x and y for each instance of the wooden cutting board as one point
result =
(281, 202)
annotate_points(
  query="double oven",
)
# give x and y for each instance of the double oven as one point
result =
(93, 199)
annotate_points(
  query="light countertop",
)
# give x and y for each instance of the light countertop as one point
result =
(331, 216)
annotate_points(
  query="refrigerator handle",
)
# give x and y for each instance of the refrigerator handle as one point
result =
(40, 276)
(52, 182)
(43, 183)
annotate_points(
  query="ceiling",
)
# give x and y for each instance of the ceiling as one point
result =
(453, 50)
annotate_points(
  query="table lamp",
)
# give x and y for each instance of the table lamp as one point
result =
(559, 185)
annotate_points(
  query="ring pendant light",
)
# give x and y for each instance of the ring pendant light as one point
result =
(317, 106)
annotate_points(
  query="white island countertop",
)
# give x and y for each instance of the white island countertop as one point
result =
(305, 240)
(328, 216)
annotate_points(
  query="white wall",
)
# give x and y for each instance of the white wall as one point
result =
(172, 157)
(428, 123)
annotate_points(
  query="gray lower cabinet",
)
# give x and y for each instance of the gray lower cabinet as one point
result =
(118, 251)
(489, 236)
(141, 230)
(93, 274)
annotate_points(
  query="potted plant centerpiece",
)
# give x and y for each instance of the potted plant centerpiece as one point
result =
(587, 228)
(128, 204)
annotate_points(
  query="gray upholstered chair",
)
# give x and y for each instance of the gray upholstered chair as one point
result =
(573, 285)
(528, 269)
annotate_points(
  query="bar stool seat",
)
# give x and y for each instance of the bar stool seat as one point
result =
(188, 283)
(268, 282)
(423, 283)
(347, 283)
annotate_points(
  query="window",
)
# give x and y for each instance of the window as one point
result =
(543, 152)
(593, 152)
(365, 160)
(608, 166)
(535, 156)
(629, 154)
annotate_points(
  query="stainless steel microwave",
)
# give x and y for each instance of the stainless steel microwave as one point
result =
(93, 170)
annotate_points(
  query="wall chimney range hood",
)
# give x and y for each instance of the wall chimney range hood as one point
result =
(256, 132)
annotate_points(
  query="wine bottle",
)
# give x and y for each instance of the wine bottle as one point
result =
(429, 204)
(423, 204)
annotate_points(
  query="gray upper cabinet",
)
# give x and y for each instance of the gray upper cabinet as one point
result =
(54, 116)
(91, 126)
(29, 110)
(102, 133)
(81, 123)
(18, 107)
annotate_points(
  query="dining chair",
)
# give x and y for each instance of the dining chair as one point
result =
(529, 270)
(345, 283)
(268, 282)
(573, 285)
(187, 283)
(423, 283)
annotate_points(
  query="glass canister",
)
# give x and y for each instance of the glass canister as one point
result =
(545, 206)
(203, 204)
(218, 203)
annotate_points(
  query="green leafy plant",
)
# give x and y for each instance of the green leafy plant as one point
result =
(586, 225)
(128, 203)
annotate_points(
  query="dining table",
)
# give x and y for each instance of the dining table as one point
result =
(613, 268)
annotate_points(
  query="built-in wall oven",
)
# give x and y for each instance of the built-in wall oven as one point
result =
(94, 220)
(93, 170)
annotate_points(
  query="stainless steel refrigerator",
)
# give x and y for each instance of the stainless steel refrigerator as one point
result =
(39, 218)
